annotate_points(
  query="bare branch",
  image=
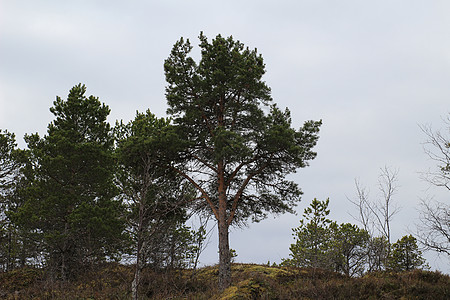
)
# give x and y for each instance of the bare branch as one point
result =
(434, 227)
(433, 232)
(378, 214)
(386, 209)
(363, 205)
(437, 148)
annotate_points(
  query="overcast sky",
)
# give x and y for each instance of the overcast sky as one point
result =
(371, 70)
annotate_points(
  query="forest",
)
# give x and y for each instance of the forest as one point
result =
(106, 206)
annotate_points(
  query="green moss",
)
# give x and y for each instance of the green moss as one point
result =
(247, 289)
(261, 270)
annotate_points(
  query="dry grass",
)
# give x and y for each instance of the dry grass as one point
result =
(113, 281)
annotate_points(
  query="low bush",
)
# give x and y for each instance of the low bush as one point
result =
(249, 281)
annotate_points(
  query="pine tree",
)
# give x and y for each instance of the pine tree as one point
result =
(313, 245)
(405, 255)
(239, 149)
(154, 195)
(350, 245)
(71, 201)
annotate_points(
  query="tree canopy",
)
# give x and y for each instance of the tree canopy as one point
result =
(70, 200)
(240, 146)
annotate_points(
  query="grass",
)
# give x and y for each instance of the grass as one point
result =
(249, 281)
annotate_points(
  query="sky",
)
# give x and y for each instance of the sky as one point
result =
(372, 71)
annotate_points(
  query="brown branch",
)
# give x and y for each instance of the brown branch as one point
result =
(241, 190)
(204, 162)
(238, 168)
(200, 189)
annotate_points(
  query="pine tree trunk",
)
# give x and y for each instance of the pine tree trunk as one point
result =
(224, 245)
(224, 256)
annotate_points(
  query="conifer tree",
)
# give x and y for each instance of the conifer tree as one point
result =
(71, 199)
(239, 147)
(313, 238)
(350, 245)
(153, 194)
(405, 255)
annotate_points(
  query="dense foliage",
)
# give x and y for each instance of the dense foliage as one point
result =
(321, 243)
(87, 195)
(239, 145)
(69, 201)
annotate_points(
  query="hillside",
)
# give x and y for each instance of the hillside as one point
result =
(112, 281)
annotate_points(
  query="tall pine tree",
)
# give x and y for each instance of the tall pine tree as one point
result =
(240, 148)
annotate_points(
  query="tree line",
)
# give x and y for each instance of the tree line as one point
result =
(321, 243)
(87, 192)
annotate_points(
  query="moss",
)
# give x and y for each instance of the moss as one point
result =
(249, 281)
(229, 293)
(247, 289)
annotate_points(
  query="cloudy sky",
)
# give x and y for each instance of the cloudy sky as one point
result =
(371, 70)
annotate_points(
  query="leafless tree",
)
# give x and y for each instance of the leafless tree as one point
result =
(376, 216)
(363, 205)
(437, 148)
(434, 227)
(433, 231)
(386, 208)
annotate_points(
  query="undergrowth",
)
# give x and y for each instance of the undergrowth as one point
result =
(249, 281)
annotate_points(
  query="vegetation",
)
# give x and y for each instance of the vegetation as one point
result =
(237, 155)
(68, 201)
(406, 255)
(313, 239)
(323, 244)
(94, 211)
(111, 281)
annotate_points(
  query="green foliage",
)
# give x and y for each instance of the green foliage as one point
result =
(15, 243)
(70, 197)
(405, 255)
(176, 246)
(237, 154)
(378, 253)
(154, 196)
(217, 105)
(8, 164)
(8, 170)
(313, 238)
(322, 243)
(150, 190)
(350, 245)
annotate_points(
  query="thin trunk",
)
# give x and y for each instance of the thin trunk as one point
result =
(134, 284)
(137, 273)
(9, 258)
(137, 277)
(139, 259)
